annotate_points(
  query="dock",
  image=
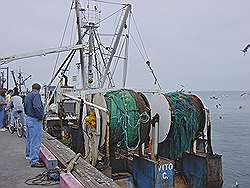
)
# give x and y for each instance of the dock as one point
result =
(14, 168)
(75, 164)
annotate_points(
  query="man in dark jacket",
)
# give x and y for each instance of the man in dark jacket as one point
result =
(34, 110)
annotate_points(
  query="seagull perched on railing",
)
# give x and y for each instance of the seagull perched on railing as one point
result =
(245, 49)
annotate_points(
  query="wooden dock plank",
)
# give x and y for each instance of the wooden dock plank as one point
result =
(48, 158)
(88, 175)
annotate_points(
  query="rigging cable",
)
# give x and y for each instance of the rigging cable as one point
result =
(147, 62)
(152, 71)
(121, 47)
(143, 46)
(64, 62)
(125, 63)
(143, 57)
(108, 2)
(72, 51)
(137, 30)
(116, 28)
(61, 43)
(70, 57)
(73, 33)
(116, 18)
(110, 15)
(98, 39)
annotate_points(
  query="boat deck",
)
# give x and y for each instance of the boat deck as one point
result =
(14, 168)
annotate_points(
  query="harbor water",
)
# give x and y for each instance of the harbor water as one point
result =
(231, 133)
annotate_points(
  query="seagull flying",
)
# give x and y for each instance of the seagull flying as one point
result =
(245, 49)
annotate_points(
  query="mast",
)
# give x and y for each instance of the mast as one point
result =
(91, 46)
(79, 31)
(20, 78)
(14, 78)
(2, 77)
(114, 48)
(125, 65)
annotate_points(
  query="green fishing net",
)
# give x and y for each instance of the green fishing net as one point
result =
(124, 119)
(186, 122)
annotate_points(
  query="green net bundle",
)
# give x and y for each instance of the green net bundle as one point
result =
(125, 119)
(187, 121)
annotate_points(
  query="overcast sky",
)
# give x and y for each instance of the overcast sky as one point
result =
(195, 43)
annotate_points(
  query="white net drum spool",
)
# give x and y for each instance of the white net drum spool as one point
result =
(159, 104)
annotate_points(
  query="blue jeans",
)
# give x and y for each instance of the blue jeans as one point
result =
(34, 139)
(1, 118)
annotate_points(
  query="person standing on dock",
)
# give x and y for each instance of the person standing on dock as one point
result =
(34, 110)
(2, 109)
(7, 114)
(16, 106)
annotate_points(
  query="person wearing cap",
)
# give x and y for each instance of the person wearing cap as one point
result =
(34, 111)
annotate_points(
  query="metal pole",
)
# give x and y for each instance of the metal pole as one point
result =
(26, 79)
(209, 137)
(79, 30)
(85, 102)
(54, 91)
(14, 78)
(1, 80)
(7, 78)
(155, 137)
(125, 65)
(114, 48)
(90, 64)
(19, 81)
(43, 52)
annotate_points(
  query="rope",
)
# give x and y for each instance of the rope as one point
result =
(46, 178)
(140, 120)
(72, 162)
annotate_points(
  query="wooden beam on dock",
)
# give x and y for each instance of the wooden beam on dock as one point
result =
(48, 158)
(86, 174)
(67, 180)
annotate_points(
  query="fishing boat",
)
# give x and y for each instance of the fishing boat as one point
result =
(138, 137)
